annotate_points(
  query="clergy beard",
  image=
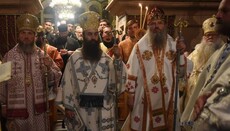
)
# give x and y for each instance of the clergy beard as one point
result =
(109, 44)
(206, 49)
(80, 38)
(222, 27)
(158, 39)
(91, 50)
(26, 48)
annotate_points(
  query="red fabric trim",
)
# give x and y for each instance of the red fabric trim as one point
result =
(40, 108)
(146, 91)
(17, 113)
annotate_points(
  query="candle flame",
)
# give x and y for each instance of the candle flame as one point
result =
(140, 4)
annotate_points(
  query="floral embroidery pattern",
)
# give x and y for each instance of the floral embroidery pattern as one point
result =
(129, 86)
(163, 79)
(155, 89)
(171, 55)
(155, 79)
(157, 119)
(147, 55)
(137, 119)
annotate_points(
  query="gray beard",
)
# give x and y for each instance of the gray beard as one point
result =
(158, 40)
(206, 49)
(80, 38)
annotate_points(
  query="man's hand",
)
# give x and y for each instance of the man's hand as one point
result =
(199, 105)
(116, 51)
(70, 52)
(180, 45)
(63, 51)
(48, 62)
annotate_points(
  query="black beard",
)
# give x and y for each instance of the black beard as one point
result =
(158, 39)
(28, 49)
(91, 50)
(109, 44)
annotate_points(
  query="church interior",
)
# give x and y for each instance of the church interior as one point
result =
(118, 12)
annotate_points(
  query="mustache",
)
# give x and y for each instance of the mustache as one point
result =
(93, 41)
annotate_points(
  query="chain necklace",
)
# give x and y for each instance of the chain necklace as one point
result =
(159, 58)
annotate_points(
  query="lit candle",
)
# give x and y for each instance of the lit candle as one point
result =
(140, 14)
(146, 11)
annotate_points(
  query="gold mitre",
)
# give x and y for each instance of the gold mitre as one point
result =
(209, 25)
(89, 20)
(27, 22)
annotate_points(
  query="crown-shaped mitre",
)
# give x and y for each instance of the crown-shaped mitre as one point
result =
(27, 22)
(209, 25)
(89, 20)
(155, 14)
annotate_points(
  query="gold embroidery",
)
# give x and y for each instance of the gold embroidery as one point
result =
(159, 58)
(155, 79)
(182, 84)
(171, 55)
(163, 79)
(147, 55)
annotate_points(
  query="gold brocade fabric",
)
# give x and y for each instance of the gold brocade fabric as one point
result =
(197, 68)
(159, 57)
(89, 20)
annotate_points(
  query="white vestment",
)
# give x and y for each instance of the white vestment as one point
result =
(160, 104)
(211, 80)
(93, 79)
